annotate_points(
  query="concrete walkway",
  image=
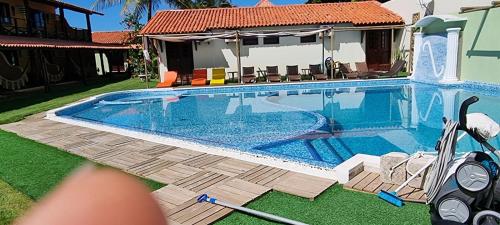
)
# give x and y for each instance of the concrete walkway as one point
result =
(188, 173)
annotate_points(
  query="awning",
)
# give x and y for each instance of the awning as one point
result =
(31, 42)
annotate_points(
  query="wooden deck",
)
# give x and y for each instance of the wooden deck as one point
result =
(188, 173)
(369, 182)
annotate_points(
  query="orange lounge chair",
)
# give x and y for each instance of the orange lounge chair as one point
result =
(169, 78)
(199, 77)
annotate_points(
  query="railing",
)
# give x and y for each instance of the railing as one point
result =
(51, 28)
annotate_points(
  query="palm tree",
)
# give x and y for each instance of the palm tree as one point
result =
(138, 7)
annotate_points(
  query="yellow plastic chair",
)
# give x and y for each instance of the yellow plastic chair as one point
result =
(218, 76)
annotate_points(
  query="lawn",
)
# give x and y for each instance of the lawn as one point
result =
(334, 206)
(15, 109)
(12, 203)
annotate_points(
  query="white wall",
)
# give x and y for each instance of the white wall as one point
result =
(217, 53)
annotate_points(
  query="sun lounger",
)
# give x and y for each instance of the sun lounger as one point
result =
(364, 72)
(248, 75)
(199, 77)
(345, 69)
(292, 73)
(218, 76)
(169, 78)
(272, 74)
(397, 67)
(315, 71)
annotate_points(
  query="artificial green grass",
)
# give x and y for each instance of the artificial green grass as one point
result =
(335, 206)
(12, 203)
(17, 108)
(34, 168)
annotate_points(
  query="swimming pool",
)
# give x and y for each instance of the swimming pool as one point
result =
(320, 124)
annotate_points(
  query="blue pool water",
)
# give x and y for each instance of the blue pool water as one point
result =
(321, 124)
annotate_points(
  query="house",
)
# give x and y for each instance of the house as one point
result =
(39, 48)
(272, 35)
(113, 61)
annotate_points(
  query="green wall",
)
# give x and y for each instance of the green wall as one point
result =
(480, 57)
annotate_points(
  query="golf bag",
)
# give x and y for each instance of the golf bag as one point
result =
(471, 191)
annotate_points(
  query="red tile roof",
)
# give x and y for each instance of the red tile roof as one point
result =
(201, 20)
(112, 37)
(264, 3)
(30, 42)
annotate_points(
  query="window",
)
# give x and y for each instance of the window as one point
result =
(38, 19)
(250, 41)
(271, 40)
(12, 57)
(5, 14)
(308, 39)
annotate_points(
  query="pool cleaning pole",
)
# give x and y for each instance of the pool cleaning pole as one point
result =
(205, 198)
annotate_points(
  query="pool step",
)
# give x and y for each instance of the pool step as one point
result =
(342, 149)
(312, 150)
(326, 152)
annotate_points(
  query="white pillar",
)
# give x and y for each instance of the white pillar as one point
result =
(449, 102)
(415, 117)
(417, 45)
(450, 73)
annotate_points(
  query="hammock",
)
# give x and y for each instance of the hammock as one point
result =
(12, 77)
(78, 70)
(54, 72)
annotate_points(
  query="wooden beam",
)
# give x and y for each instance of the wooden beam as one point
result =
(28, 16)
(89, 27)
(63, 25)
(392, 46)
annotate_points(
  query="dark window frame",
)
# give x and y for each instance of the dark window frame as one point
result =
(272, 40)
(38, 19)
(309, 39)
(5, 14)
(250, 41)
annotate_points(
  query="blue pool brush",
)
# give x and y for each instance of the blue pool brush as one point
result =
(392, 197)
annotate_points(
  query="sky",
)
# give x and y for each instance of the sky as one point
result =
(112, 16)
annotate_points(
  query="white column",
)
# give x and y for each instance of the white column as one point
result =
(417, 45)
(415, 117)
(449, 102)
(450, 73)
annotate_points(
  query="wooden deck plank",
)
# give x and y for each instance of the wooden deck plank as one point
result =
(245, 175)
(173, 173)
(216, 216)
(370, 182)
(303, 185)
(367, 180)
(174, 195)
(373, 185)
(150, 166)
(201, 216)
(179, 154)
(356, 179)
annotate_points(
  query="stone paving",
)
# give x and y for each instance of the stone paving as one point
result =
(187, 173)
